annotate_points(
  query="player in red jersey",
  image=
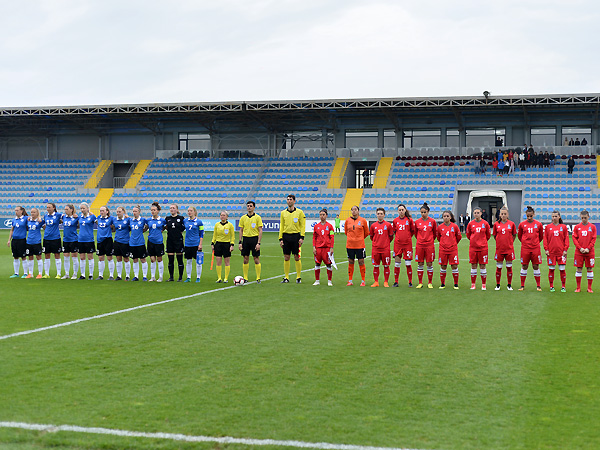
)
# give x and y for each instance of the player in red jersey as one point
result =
(478, 234)
(382, 233)
(505, 232)
(556, 244)
(531, 233)
(404, 229)
(322, 246)
(584, 240)
(449, 235)
(425, 230)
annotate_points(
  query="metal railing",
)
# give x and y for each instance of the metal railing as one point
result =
(119, 182)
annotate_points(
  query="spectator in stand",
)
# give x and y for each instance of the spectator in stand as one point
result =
(461, 223)
(511, 168)
(552, 159)
(498, 142)
(540, 160)
(477, 166)
(500, 167)
(510, 154)
(571, 142)
(494, 166)
(566, 143)
(546, 159)
(570, 164)
(522, 160)
(577, 142)
(482, 165)
(584, 141)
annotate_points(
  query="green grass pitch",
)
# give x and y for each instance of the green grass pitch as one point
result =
(397, 367)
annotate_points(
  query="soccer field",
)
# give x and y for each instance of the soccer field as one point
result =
(397, 367)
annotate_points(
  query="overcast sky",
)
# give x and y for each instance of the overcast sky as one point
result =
(73, 52)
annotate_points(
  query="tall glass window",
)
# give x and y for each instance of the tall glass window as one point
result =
(577, 136)
(389, 138)
(486, 137)
(543, 137)
(452, 137)
(194, 141)
(422, 138)
(361, 139)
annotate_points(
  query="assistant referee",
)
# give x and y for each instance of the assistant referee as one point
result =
(291, 236)
(222, 245)
(251, 229)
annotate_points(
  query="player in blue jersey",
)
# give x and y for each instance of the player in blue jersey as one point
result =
(17, 241)
(137, 244)
(121, 227)
(156, 246)
(105, 243)
(87, 247)
(70, 241)
(34, 242)
(52, 242)
(194, 235)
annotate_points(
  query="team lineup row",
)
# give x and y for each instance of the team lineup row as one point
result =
(79, 247)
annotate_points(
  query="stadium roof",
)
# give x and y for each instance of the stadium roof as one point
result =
(276, 115)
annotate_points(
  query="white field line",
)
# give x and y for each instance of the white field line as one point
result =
(134, 308)
(188, 438)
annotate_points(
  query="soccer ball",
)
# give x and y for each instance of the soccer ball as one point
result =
(239, 280)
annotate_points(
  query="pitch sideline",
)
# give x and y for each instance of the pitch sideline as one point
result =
(190, 438)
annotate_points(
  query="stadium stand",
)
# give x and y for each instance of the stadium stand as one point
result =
(36, 182)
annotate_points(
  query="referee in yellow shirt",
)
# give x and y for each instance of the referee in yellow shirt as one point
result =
(251, 229)
(222, 244)
(292, 225)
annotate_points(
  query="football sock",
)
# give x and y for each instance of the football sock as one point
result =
(376, 273)
(363, 271)
(473, 276)
(136, 269)
(397, 271)
(317, 272)
(58, 263)
(420, 274)
(386, 273)
(246, 269)
(483, 274)
(430, 274)
(31, 266)
(537, 274)
(227, 269)
(329, 273)
(258, 268)
(298, 268)
(498, 274)
(286, 268)
(219, 271)
(551, 277)
(590, 278)
(47, 266)
(75, 265)
(119, 268)
(523, 276)
(91, 267)
(455, 275)
(578, 275)
(67, 265)
(409, 273)
(111, 267)
(145, 269)
(509, 274)
(350, 271)
(442, 276)
(161, 269)
(82, 264)
(127, 268)
(188, 269)
(198, 271)
(101, 265)
(152, 269)
(180, 266)
(16, 266)
(563, 278)
(171, 265)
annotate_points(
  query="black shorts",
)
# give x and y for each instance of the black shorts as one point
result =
(174, 245)
(249, 245)
(137, 252)
(223, 249)
(34, 249)
(121, 249)
(356, 253)
(106, 247)
(52, 246)
(87, 247)
(19, 248)
(291, 244)
(71, 247)
(156, 249)
(191, 252)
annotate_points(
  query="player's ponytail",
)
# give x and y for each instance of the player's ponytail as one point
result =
(23, 212)
(71, 207)
(53, 206)
(530, 210)
(452, 219)
(156, 204)
(406, 211)
(556, 211)
(425, 206)
(325, 211)
(107, 211)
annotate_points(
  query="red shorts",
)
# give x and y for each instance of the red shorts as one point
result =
(478, 256)
(322, 256)
(554, 260)
(448, 258)
(425, 254)
(403, 251)
(499, 257)
(586, 260)
(533, 256)
(381, 258)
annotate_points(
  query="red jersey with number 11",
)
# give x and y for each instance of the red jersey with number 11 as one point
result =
(530, 234)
